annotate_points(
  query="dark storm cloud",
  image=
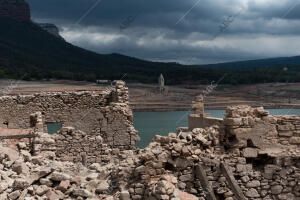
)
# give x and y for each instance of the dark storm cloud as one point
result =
(253, 28)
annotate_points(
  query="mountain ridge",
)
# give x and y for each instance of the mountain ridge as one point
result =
(25, 48)
(288, 60)
(15, 9)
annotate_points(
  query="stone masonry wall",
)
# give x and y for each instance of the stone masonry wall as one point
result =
(78, 147)
(244, 124)
(258, 178)
(249, 160)
(106, 114)
(200, 119)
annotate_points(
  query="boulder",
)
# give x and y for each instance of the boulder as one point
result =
(58, 176)
(20, 184)
(250, 153)
(20, 167)
(14, 195)
(124, 195)
(102, 186)
(82, 193)
(252, 193)
(180, 195)
(276, 189)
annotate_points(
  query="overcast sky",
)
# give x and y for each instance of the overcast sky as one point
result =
(185, 31)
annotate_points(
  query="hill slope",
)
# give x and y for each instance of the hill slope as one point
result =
(295, 60)
(26, 49)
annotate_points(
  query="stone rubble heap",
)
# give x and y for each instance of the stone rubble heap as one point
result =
(244, 159)
(27, 177)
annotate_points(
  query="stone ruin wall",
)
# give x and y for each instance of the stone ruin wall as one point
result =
(170, 167)
(261, 150)
(248, 155)
(255, 127)
(179, 158)
(200, 118)
(106, 114)
(73, 145)
(252, 150)
(258, 149)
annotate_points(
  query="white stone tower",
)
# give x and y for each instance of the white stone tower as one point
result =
(161, 83)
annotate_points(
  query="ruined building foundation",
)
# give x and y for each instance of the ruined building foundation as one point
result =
(106, 114)
(249, 154)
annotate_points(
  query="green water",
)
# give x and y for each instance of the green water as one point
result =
(150, 124)
(53, 127)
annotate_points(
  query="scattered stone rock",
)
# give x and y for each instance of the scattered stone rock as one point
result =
(252, 193)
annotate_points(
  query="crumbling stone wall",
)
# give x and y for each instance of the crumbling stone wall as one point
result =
(261, 150)
(106, 114)
(267, 178)
(252, 155)
(170, 163)
(78, 147)
(288, 128)
(254, 127)
(167, 165)
(197, 165)
(200, 119)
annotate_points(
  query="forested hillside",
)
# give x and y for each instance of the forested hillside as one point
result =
(27, 51)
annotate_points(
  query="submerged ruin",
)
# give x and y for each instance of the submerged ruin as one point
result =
(249, 154)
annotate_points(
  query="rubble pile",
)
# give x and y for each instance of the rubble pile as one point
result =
(168, 169)
(249, 154)
(27, 177)
(167, 165)
(44, 176)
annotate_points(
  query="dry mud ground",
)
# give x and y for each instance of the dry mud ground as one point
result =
(145, 97)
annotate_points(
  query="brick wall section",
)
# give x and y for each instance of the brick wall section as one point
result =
(106, 114)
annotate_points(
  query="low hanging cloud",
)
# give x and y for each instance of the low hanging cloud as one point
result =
(190, 32)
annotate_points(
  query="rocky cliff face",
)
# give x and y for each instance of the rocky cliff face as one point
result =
(15, 9)
(51, 28)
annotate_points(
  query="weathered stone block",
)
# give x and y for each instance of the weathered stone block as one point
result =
(295, 140)
(187, 177)
(240, 131)
(286, 127)
(250, 152)
(124, 195)
(252, 193)
(276, 189)
(285, 133)
(233, 121)
(253, 184)
(241, 168)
